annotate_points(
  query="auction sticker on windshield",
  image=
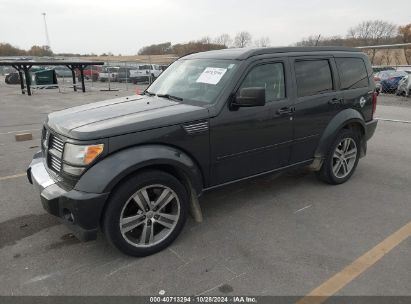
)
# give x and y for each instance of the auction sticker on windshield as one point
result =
(211, 75)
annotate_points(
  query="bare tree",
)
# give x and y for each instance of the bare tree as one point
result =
(397, 57)
(206, 40)
(405, 34)
(223, 39)
(386, 57)
(373, 32)
(262, 42)
(242, 39)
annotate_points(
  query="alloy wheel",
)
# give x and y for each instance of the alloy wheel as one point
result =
(149, 215)
(344, 157)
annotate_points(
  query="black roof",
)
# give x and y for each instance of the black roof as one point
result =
(244, 53)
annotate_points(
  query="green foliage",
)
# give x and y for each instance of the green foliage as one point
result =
(6, 49)
(156, 49)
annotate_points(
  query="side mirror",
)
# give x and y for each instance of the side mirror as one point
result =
(250, 97)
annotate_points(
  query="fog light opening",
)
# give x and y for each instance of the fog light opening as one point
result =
(68, 216)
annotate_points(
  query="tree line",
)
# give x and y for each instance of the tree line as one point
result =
(6, 49)
(369, 33)
(223, 41)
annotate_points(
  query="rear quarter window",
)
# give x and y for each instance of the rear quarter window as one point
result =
(353, 73)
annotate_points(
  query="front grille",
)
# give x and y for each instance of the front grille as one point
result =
(56, 143)
(52, 146)
(54, 163)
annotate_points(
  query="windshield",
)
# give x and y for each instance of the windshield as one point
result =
(195, 79)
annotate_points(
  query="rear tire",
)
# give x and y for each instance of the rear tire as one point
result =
(342, 158)
(154, 204)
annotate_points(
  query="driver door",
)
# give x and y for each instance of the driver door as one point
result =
(246, 141)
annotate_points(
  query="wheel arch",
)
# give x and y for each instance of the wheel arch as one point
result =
(104, 176)
(346, 119)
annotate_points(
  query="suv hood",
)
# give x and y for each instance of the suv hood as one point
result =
(122, 115)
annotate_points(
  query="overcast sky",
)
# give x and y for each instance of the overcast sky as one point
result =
(124, 26)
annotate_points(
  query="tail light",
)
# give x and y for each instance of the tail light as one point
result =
(374, 104)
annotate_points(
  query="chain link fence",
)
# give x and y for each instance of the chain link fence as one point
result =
(392, 68)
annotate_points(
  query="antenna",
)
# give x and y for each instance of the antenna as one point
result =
(45, 28)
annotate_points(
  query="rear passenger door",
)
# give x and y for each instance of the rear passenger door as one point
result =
(317, 101)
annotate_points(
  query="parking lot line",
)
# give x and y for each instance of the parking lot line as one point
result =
(13, 176)
(361, 264)
(18, 131)
(393, 120)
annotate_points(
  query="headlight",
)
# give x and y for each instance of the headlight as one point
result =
(81, 155)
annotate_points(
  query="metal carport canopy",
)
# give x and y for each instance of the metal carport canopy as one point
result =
(25, 66)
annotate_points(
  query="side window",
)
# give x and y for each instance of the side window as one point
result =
(269, 76)
(313, 77)
(353, 73)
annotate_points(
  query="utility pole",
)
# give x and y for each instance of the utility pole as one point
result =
(47, 32)
(318, 40)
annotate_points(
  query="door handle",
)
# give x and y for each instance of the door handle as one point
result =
(336, 101)
(286, 110)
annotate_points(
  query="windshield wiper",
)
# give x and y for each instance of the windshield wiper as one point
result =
(145, 92)
(171, 97)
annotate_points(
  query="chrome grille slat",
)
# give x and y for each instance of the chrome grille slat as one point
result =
(56, 143)
(53, 147)
(55, 163)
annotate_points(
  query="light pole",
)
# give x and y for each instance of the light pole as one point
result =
(45, 28)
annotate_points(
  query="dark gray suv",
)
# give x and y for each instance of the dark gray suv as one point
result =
(133, 166)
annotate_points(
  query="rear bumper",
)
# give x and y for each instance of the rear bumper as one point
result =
(80, 211)
(370, 128)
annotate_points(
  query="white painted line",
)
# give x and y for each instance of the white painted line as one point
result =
(12, 176)
(11, 132)
(299, 210)
(394, 120)
(177, 255)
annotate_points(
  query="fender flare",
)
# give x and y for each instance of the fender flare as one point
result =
(343, 118)
(105, 174)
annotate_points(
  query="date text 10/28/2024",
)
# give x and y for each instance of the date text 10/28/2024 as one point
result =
(203, 299)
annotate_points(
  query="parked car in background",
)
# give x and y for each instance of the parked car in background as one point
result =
(163, 67)
(145, 72)
(404, 86)
(109, 73)
(380, 68)
(388, 78)
(62, 71)
(124, 74)
(12, 78)
(90, 72)
(4, 70)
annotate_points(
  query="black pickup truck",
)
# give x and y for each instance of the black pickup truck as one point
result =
(133, 166)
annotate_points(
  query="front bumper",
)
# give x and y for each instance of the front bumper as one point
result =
(370, 128)
(81, 211)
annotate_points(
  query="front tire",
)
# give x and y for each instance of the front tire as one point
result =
(342, 158)
(146, 213)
